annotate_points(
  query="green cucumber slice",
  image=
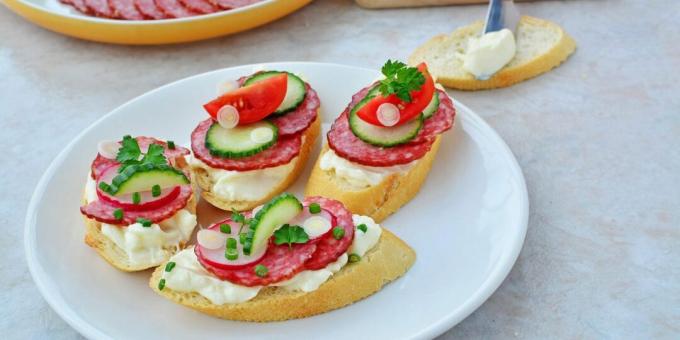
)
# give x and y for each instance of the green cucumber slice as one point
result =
(237, 142)
(432, 107)
(137, 178)
(383, 136)
(279, 211)
(295, 94)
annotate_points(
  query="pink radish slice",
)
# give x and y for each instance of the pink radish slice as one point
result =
(216, 257)
(315, 225)
(147, 201)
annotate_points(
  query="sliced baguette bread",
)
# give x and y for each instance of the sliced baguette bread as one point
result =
(378, 201)
(205, 182)
(541, 46)
(113, 254)
(387, 261)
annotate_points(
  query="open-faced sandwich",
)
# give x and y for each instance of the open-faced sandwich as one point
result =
(382, 146)
(283, 260)
(256, 141)
(139, 207)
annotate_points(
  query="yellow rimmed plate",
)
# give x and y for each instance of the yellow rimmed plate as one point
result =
(57, 17)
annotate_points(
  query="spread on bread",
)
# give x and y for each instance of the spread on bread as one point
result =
(137, 197)
(257, 133)
(489, 53)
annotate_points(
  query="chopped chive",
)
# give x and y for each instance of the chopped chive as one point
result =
(353, 258)
(242, 238)
(338, 233)
(169, 266)
(118, 214)
(161, 284)
(171, 145)
(144, 222)
(136, 198)
(261, 270)
(156, 190)
(362, 227)
(314, 208)
(104, 187)
(231, 253)
(231, 243)
(225, 228)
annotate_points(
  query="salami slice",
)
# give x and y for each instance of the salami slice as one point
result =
(200, 6)
(125, 9)
(99, 8)
(174, 9)
(230, 4)
(100, 164)
(441, 121)
(149, 9)
(282, 263)
(328, 249)
(285, 149)
(77, 4)
(301, 118)
(102, 211)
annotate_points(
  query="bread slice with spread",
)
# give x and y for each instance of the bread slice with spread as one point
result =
(285, 260)
(374, 165)
(257, 140)
(139, 205)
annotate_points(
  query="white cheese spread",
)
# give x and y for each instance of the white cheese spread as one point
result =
(357, 175)
(487, 54)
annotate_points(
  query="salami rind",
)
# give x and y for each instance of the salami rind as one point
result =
(328, 249)
(300, 118)
(230, 4)
(99, 8)
(200, 6)
(100, 164)
(282, 263)
(125, 9)
(282, 152)
(149, 9)
(174, 9)
(102, 211)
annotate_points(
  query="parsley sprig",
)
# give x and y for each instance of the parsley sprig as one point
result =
(289, 234)
(129, 154)
(400, 80)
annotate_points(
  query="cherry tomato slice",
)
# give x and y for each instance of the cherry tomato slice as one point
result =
(407, 110)
(253, 102)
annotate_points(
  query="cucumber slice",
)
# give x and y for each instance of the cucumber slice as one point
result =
(139, 178)
(279, 211)
(383, 136)
(432, 107)
(295, 94)
(237, 142)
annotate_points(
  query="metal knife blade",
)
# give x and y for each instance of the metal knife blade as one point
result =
(501, 14)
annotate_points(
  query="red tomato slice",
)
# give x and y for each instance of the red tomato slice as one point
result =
(253, 102)
(407, 110)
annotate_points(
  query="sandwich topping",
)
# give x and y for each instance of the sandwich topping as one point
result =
(285, 243)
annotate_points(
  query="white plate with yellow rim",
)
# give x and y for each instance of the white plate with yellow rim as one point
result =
(467, 226)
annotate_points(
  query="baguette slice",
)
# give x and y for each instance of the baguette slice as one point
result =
(387, 261)
(541, 46)
(113, 254)
(205, 182)
(378, 201)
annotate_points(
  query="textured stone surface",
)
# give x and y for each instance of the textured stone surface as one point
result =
(598, 140)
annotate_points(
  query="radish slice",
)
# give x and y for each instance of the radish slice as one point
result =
(216, 257)
(108, 149)
(315, 225)
(226, 87)
(388, 114)
(211, 239)
(227, 117)
(147, 201)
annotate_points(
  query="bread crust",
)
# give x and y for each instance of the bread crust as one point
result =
(387, 261)
(509, 75)
(205, 183)
(378, 201)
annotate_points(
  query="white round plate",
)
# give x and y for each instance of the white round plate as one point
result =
(467, 226)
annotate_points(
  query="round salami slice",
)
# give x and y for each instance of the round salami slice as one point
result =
(328, 249)
(282, 263)
(100, 164)
(301, 118)
(230, 4)
(348, 146)
(77, 4)
(441, 121)
(200, 6)
(149, 9)
(103, 211)
(99, 8)
(174, 9)
(285, 149)
(125, 9)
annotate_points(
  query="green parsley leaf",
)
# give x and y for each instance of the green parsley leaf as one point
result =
(129, 150)
(237, 217)
(400, 80)
(155, 155)
(289, 234)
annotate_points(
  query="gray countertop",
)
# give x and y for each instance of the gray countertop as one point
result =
(598, 140)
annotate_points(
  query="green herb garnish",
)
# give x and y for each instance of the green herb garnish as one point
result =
(261, 270)
(129, 154)
(169, 266)
(238, 217)
(144, 222)
(231, 252)
(289, 234)
(156, 190)
(103, 186)
(136, 198)
(362, 227)
(400, 80)
(353, 258)
(314, 208)
(161, 284)
(242, 238)
(338, 232)
(118, 214)
(171, 145)
(225, 228)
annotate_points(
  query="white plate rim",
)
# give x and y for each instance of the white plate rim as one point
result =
(485, 290)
